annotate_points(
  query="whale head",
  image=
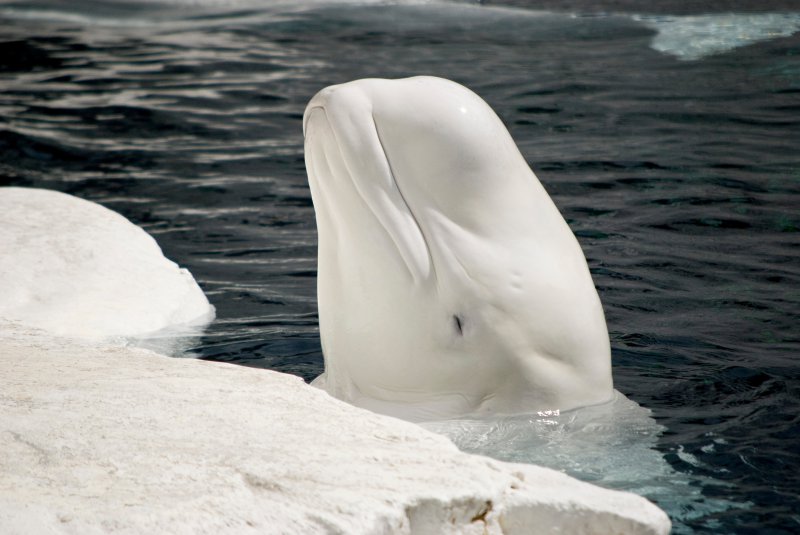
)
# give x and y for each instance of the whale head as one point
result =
(448, 283)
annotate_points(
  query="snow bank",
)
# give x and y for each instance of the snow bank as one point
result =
(72, 267)
(100, 439)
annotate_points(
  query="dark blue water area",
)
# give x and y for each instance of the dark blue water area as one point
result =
(669, 137)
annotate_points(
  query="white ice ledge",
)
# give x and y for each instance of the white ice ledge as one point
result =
(73, 267)
(118, 440)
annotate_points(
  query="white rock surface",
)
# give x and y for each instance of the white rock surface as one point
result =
(120, 440)
(72, 267)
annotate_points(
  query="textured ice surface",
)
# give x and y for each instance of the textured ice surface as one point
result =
(74, 268)
(100, 439)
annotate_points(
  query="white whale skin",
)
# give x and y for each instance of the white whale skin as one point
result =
(449, 285)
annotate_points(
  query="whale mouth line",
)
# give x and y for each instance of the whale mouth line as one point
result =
(358, 148)
(396, 183)
(307, 116)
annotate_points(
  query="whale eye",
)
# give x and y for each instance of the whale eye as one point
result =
(458, 324)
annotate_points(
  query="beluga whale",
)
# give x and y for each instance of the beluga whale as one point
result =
(449, 285)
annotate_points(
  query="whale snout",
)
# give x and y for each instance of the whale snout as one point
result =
(317, 102)
(348, 161)
(337, 99)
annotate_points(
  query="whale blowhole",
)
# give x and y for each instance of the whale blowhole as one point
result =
(459, 324)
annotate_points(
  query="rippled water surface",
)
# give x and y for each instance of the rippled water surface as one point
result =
(669, 139)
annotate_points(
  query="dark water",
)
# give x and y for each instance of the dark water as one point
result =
(674, 156)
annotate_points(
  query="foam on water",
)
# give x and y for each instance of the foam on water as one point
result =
(698, 36)
(606, 443)
(687, 37)
(613, 445)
